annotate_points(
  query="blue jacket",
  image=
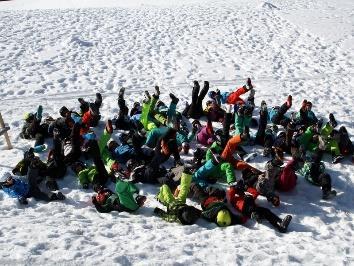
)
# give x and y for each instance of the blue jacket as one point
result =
(19, 189)
(123, 153)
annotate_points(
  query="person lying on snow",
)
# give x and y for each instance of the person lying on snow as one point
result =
(153, 116)
(234, 97)
(214, 207)
(323, 138)
(212, 170)
(50, 171)
(213, 111)
(22, 190)
(277, 114)
(91, 111)
(123, 121)
(177, 209)
(195, 108)
(34, 128)
(275, 177)
(244, 202)
(125, 198)
(183, 136)
(152, 172)
(314, 172)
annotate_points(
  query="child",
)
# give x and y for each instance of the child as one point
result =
(245, 203)
(177, 209)
(22, 190)
(314, 172)
(126, 198)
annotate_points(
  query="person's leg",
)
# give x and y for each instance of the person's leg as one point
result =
(234, 97)
(39, 139)
(262, 124)
(226, 128)
(186, 180)
(279, 117)
(265, 213)
(193, 106)
(230, 148)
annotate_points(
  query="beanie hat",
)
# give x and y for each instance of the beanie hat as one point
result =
(4, 175)
(211, 94)
(28, 116)
(223, 218)
(63, 110)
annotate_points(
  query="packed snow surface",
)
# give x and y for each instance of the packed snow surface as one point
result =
(52, 52)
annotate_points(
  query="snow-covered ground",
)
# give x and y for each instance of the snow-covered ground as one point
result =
(52, 52)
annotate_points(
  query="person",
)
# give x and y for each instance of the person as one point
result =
(34, 129)
(244, 202)
(214, 207)
(233, 145)
(90, 111)
(206, 135)
(195, 108)
(243, 118)
(305, 116)
(125, 198)
(314, 171)
(22, 190)
(177, 209)
(277, 113)
(212, 170)
(234, 97)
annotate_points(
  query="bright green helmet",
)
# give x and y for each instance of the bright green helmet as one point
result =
(223, 218)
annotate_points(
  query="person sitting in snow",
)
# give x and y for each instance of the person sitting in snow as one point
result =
(91, 111)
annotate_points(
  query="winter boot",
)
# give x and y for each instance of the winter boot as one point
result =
(332, 120)
(249, 84)
(328, 194)
(98, 100)
(147, 97)
(121, 93)
(283, 225)
(289, 101)
(174, 99)
(109, 126)
(157, 91)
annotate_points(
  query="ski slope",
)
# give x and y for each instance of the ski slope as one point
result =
(52, 52)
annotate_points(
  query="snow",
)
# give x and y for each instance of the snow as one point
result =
(52, 52)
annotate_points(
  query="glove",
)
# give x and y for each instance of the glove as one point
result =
(23, 200)
(39, 112)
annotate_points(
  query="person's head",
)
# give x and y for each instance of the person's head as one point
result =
(63, 111)
(112, 145)
(185, 147)
(308, 106)
(223, 218)
(212, 94)
(101, 197)
(6, 178)
(28, 117)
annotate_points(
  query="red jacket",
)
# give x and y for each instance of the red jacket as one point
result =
(236, 200)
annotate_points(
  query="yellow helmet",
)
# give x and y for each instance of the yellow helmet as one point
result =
(223, 218)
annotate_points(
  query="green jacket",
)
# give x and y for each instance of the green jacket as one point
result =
(125, 191)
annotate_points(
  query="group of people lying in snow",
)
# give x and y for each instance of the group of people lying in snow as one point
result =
(153, 131)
